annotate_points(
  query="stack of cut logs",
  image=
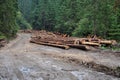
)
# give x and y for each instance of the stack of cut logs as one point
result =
(64, 41)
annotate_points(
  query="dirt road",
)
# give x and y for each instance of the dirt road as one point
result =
(21, 60)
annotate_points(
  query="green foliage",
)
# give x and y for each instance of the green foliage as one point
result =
(8, 10)
(83, 29)
(25, 6)
(74, 17)
(2, 36)
(22, 23)
(114, 31)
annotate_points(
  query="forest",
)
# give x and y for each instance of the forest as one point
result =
(78, 18)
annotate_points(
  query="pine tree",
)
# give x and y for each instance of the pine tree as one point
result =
(8, 10)
(114, 31)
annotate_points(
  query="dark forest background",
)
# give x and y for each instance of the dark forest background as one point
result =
(74, 17)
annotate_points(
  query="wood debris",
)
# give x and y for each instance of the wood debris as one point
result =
(64, 41)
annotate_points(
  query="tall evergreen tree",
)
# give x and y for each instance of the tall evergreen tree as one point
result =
(114, 30)
(8, 10)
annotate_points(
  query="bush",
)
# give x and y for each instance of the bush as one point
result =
(2, 36)
(82, 29)
(22, 23)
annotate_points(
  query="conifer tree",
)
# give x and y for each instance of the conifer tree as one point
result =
(8, 10)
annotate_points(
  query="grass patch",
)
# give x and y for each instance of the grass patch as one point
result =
(113, 48)
(2, 37)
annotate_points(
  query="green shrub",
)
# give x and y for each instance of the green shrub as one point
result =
(22, 23)
(2, 36)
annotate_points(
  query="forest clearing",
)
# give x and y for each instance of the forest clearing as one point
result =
(59, 39)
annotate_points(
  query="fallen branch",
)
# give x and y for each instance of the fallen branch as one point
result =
(83, 47)
(49, 44)
(91, 43)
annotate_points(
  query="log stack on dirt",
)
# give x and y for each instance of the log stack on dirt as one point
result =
(64, 41)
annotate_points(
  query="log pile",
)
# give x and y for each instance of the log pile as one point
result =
(64, 41)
